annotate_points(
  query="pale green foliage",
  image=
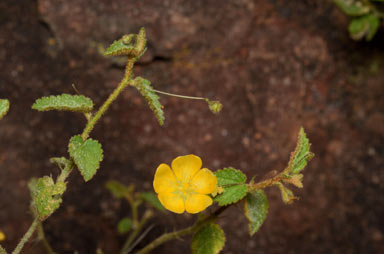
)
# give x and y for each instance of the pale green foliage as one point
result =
(365, 26)
(233, 183)
(256, 210)
(4, 107)
(64, 102)
(46, 195)
(209, 239)
(124, 225)
(146, 90)
(300, 157)
(152, 199)
(352, 8)
(87, 155)
(119, 190)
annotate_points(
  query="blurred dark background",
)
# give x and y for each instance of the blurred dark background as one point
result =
(276, 65)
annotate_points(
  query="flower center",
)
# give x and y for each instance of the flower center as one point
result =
(184, 189)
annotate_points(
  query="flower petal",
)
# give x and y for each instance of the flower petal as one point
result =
(185, 167)
(204, 182)
(172, 202)
(165, 180)
(197, 203)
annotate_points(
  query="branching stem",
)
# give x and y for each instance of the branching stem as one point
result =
(177, 234)
(127, 245)
(41, 237)
(266, 183)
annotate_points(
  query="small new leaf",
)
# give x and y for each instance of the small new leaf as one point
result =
(152, 199)
(87, 155)
(256, 210)
(295, 180)
(352, 8)
(46, 196)
(123, 46)
(4, 107)
(286, 194)
(365, 26)
(124, 225)
(300, 157)
(132, 45)
(233, 183)
(214, 106)
(64, 102)
(146, 90)
(210, 239)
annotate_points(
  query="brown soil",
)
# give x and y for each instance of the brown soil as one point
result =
(276, 65)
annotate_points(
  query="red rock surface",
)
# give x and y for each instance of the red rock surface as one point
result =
(275, 65)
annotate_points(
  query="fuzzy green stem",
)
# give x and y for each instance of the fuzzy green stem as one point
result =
(266, 183)
(147, 215)
(133, 205)
(66, 171)
(41, 237)
(179, 96)
(124, 82)
(26, 236)
(183, 232)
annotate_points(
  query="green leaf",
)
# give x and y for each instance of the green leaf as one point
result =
(118, 189)
(146, 90)
(256, 210)
(210, 239)
(352, 8)
(124, 225)
(87, 155)
(64, 102)
(4, 107)
(46, 195)
(124, 46)
(365, 26)
(300, 157)
(229, 176)
(152, 199)
(233, 183)
(231, 194)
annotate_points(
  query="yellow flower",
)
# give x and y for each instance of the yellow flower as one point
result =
(185, 187)
(2, 236)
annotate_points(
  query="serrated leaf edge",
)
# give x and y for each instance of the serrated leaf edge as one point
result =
(83, 107)
(86, 179)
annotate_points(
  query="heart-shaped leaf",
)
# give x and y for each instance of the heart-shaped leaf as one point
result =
(87, 155)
